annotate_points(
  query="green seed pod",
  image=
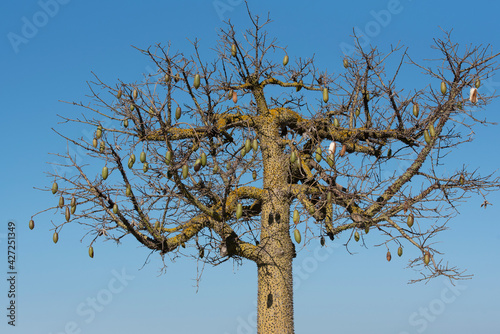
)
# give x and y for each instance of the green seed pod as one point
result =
(478, 83)
(54, 187)
(31, 224)
(461, 180)
(128, 191)
(388, 256)
(185, 171)
(142, 157)
(296, 216)
(104, 173)
(239, 211)
(132, 157)
(197, 165)
(168, 157)
(135, 94)
(94, 142)
(432, 131)
(178, 113)
(427, 257)
(293, 157)
(55, 237)
(254, 175)
(91, 252)
(145, 167)
(336, 122)
(410, 220)
(228, 166)
(203, 159)
(132, 107)
(67, 214)
(167, 78)
(400, 251)
(243, 152)
(151, 111)
(233, 50)
(61, 202)
(325, 95)
(216, 168)
(115, 208)
(357, 112)
(196, 82)
(130, 163)
(255, 145)
(329, 197)
(119, 94)
(296, 234)
(248, 145)
(346, 63)
(318, 157)
(102, 147)
(443, 88)
(311, 210)
(285, 60)
(125, 123)
(356, 236)
(98, 133)
(330, 162)
(73, 201)
(427, 137)
(73, 209)
(322, 241)
(415, 110)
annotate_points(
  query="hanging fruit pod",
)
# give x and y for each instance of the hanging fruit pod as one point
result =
(388, 256)
(115, 208)
(427, 257)
(322, 241)
(94, 142)
(125, 123)
(196, 82)
(142, 157)
(178, 113)
(248, 145)
(389, 153)
(91, 252)
(330, 161)
(239, 211)
(216, 168)
(325, 95)
(104, 173)
(358, 112)
(54, 187)
(416, 108)
(255, 145)
(296, 235)
(356, 236)
(254, 175)
(67, 214)
(119, 94)
(233, 50)
(73, 201)
(477, 83)
(318, 154)
(167, 78)
(197, 165)
(98, 132)
(177, 77)
(410, 220)
(128, 191)
(346, 63)
(461, 180)
(443, 88)
(31, 224)
(235, 96)
(61, 202)
(296, 216)
(145, 167)
(102, 147)
(331, 149)
(185, 171)
(135, 94)
(336, 122)
(243, 152)
(55, 237)
(432, 131)
(342, 151)
(473, 95)
(400, 251)
(203, 159)
(293, 157)
(285, 60)
(427, 137)
(132, 107)
(151, 111)
(168, 157)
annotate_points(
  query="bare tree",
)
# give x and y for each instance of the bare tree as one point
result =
(238, 155)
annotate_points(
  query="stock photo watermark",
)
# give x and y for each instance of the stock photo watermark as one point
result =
(31, 25)
(88, 309)
(222, 7)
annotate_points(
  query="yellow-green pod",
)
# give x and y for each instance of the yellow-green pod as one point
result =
(432, 131)
(178, 113)
(185, 171)
(427, 257)
(285, 60)
(128, 192)
(142, 157)
(325, 95)
(167, 78)
(31, 224)
(410, 220)
(55, 237)
(356, 236)
(145, 167)
(94, 142)
(119, 94)
(415, 110)
(239, 211)
(254, 175)
(427, 137)
(255, 145)
(329, 197)
(115, 208)
(216, 168)
(346, 63)
(243, 152)
(248, 145)
(443, 88)
(400, 251)
(102, 147)
(203, 159)
(132, 107)
(135, 94)
(61, 202)
(233, 50)
(125, 123)
(296, 216)
(293, 157)
(296, 235)
(478, 83)
(336, 122)
(104, 173)
(196, 82)
(318, 157)
(168, 157)
(98, 133)
(67, 214)
(54, 187)
(91, 252)
(358, 112)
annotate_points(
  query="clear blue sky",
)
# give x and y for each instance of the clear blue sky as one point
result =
(62, 290)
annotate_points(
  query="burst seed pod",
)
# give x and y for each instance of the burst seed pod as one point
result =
(336, 122)
(400, 251)
(196, 82)
(128, 192)
(410, 220)
(104, 173)
(115, 208)
(473, 95)
(322, 241)
(55, 237)
(61, 202)
(31, 224)
(427, 257)
(296, 235)
(197, 165)
(168, 157)
(296, 216)
(142, 157)
(388, 256)
(67, 214)
(356, 236)
(91, 252)
(342, 151)
(415, 110)
(254, 175)
(477, 83)
(233, 50)
(285, 60)
(203, 159)
(54, 187)
(145, 167)
(185, 171)
(178, 113)
(235, 96)
(239, 211)
(427, 137)
(248, 145)
(325, 95)
(432, 131)
(255, 145)
(443, 88)
(119, 94)
(346, 63)
(125, 123)
(94, 142)
(299, 87)
(293, 157)
(102, 147)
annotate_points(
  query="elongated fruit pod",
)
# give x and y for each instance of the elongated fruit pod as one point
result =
(185, 171)
(432, 131)
(322, 241)
(477, 83)
(410, 220)
(54, 187)
(296, 216)
(346, 63)
(55, 237)
(255, 145)
(98, 133)
(461, 180)
(196, 82)
(125, 123)
(135, 94)
(248, 145)
(61, 202)
(233, 50)
(178, 113)
(400, 251)
(132, 107)
(235, 96)
(119, 94)
(336, 122)
(329, 197)
(31, 224)
(427, 137)
(285, 60)
(239, 211)
(342, 151)
(203, 159)
(293, 157)
(142, 157)
(325, 95)
(102, 147)
(128, 192)
(197, 165)
(427, 257)
(115, 208)
(443, 88)
(91, 252)
(67, 214)
(145, 167)
(299, 86)
(168, 157)
(94, 142)
(415, 110)
(356, 236)
(296, 235)
(254, 175)
(388, 256)
(216, 168)
(104, 173)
